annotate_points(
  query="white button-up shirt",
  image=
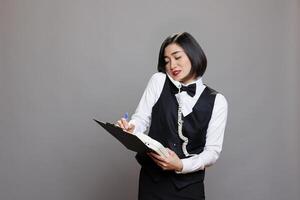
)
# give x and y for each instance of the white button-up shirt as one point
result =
(215, 132)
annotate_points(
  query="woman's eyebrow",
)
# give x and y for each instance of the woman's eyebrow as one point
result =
(175, 52)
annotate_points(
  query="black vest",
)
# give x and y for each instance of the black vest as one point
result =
(164, 128)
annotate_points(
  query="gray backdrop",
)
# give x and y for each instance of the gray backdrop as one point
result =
(66, 62)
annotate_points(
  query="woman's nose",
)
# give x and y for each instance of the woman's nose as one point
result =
(172, 64)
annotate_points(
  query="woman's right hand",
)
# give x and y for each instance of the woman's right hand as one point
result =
(127, 127)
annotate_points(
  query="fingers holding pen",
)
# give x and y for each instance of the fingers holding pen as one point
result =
(125, 125)
(122, 123)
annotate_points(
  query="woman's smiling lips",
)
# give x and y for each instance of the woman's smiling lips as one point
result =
(176, 72)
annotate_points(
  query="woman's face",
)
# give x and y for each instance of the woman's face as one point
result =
(178, 64)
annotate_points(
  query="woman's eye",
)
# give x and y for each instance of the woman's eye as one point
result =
(177, 58)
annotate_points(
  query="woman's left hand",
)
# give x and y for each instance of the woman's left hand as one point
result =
(172, 162)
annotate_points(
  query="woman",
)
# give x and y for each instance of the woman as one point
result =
(184, 115)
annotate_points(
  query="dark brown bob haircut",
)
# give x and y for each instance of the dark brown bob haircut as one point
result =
(192, 49)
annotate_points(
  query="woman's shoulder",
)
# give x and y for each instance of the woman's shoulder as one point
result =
(158, 76)
(155, 84)
(219, 97)
(221, 101)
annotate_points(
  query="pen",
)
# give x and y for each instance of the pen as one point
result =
(126, 116)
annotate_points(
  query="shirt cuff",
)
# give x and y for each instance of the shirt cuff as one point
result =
(184, 166)
(189, 165)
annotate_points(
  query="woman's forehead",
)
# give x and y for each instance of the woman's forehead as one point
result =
(172, 49)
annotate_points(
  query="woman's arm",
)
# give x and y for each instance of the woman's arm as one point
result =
(142, 116)
(214, 139)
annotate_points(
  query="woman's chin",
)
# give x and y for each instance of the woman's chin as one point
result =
(176, 78)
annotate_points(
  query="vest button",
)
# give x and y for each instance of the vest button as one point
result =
(174, 145)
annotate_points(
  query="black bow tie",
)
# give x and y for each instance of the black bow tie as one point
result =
(190, 89)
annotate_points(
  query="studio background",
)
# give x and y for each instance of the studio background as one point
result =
(66, 62)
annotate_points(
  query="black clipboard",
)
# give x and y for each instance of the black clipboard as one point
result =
(130, 141)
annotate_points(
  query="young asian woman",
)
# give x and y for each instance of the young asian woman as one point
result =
(183, 114)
